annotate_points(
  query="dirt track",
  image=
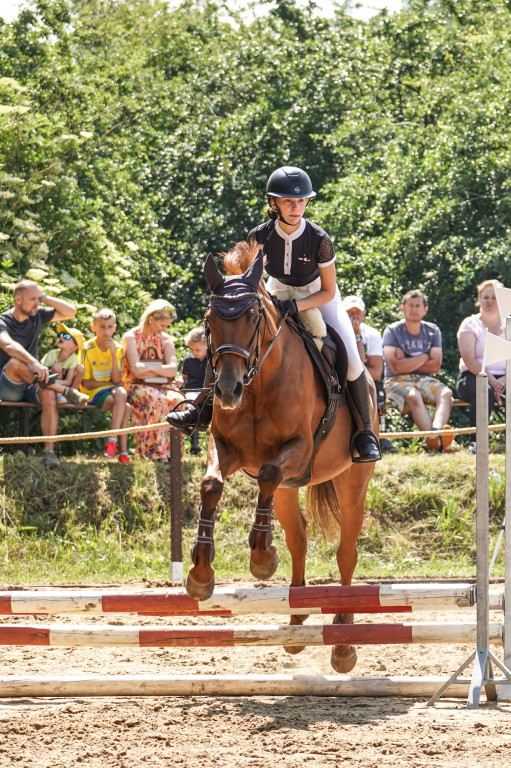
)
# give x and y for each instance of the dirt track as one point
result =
(256, 732)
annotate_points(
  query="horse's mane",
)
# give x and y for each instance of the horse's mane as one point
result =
(240, 257)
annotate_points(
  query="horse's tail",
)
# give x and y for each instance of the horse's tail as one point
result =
(323, 509)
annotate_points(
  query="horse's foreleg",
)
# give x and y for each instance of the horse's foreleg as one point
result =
(351, 489)
(288, 462)
(200, 582)
(263, 555)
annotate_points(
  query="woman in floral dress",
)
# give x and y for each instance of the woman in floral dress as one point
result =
(150, 367)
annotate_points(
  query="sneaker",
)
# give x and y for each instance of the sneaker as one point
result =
(75, 397)
(387, 447)
(123, 458)
(447, 440)
(50, 460)
(440, 443)
(111, 450)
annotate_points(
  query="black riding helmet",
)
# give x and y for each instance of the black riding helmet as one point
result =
(290, 182)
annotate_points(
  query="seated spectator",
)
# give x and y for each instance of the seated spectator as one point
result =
(471, 336)
(370, 349)
(22, 376)
(64, 362)
(413, 353)
(151, 365)
(194, 370)
(103, 362)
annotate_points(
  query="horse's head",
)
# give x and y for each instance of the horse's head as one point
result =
(233, 327)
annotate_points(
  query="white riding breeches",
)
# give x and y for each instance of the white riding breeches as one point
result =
(334, 314)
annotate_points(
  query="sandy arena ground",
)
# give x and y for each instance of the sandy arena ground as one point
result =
(256, 732)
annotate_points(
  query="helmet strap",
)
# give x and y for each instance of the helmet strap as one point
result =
(279, 212)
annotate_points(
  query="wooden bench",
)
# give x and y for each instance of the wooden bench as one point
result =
(27, 419)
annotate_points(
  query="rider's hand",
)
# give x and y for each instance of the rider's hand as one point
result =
(289, 307)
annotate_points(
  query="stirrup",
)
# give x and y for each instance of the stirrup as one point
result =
(355, 455)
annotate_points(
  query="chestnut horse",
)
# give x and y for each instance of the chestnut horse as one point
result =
(269, 400)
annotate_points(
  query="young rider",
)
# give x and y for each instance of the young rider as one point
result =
(300, 254)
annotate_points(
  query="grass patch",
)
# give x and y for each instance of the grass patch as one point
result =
(96, 521)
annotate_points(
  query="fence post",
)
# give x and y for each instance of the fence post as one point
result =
(176, 508)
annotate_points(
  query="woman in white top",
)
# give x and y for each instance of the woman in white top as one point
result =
(471, 336)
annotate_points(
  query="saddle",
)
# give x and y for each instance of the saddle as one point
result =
(332, 365)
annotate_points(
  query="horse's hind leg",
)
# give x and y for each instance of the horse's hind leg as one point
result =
(289, 515)
(351, 488)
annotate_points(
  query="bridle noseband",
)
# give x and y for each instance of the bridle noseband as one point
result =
(250, 355)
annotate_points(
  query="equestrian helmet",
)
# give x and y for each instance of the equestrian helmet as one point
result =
(290, 181)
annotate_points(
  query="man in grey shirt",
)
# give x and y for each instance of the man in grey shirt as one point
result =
(413, 353)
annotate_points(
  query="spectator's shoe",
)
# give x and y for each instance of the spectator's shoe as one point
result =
(123, 457)
(440, 443)
(111, 450)
(52, 378)
(50, 460)
(472, 447)
(75, 397)
(387, 447)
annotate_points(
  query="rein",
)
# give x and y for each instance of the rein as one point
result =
(252, 354)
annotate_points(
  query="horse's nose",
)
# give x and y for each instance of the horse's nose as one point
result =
(229, 392)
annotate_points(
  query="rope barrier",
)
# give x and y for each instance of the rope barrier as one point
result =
(164, 425)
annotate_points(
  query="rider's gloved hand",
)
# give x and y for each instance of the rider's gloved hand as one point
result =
(289, 307)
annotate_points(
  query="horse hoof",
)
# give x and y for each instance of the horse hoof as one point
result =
(199, 591)
(343, 658)
(264, 570)
(293, 649)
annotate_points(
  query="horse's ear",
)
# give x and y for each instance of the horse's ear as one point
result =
(212, 274)
(255, 271)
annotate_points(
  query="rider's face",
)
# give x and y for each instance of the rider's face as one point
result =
(292, 209)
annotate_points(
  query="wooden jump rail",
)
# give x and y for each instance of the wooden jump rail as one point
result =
(236, 601)
(73, 636)
(239, 601)
(227, 685)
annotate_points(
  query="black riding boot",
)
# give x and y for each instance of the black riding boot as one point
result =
(365, 446)
(197, 416)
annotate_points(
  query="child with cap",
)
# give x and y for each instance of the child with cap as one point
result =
(63, 361)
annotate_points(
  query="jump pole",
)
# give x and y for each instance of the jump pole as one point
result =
(241, 601)
(67, 635)
(225, 685)
(482, 672)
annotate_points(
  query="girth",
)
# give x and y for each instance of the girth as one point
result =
(335, 394)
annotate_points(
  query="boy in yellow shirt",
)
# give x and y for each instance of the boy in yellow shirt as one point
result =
(103, 363)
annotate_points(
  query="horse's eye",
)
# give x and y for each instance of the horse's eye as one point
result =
(253, 318)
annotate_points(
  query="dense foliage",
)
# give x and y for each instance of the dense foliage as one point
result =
(135, 138)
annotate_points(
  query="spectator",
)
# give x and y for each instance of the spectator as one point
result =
(194, 370)
(471, 337)
(103, 362)
(370, 349)
(64, 362)
(413, 354)
(22, 376)
(151, 365)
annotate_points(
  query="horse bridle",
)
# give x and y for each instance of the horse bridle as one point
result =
(252, 354)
